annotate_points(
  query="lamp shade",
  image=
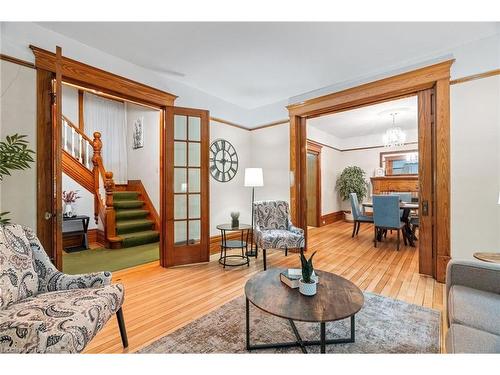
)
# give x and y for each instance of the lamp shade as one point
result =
(253, 177)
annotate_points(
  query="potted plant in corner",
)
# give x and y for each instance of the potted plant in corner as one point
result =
(308, 281)
(352, 180)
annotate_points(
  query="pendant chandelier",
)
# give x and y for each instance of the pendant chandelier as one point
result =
(394, 136)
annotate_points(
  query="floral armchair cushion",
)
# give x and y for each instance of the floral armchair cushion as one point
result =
(63, 312)
(18, 278)
(274, 228)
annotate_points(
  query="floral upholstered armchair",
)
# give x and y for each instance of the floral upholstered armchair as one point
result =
(43, 310)
(274, 228)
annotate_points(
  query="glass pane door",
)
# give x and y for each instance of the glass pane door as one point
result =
(188, 138)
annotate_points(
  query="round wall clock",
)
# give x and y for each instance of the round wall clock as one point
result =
(223, 160)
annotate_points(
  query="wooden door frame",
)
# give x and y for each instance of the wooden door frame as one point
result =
(436, 76)
(47, 65)
(315, 148)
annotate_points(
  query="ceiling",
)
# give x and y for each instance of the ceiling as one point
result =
(373, 119)
(255, 64)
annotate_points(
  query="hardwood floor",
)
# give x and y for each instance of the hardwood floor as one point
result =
(159, 301)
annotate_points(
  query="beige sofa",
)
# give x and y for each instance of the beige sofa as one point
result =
(473, 300)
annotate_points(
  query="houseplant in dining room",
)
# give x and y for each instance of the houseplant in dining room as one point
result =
(308, 282)
(352, 180)
(14, 155)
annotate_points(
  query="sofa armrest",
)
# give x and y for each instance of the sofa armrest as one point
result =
(473, 274)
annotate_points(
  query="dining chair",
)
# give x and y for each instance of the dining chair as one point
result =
(357, 215)
(386, 216)
(404, 197)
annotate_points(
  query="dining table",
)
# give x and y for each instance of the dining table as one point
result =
(406, 207)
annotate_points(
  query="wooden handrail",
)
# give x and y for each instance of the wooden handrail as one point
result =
(105, 211)
(77, 129)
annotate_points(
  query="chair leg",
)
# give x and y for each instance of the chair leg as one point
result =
(375, 235)
(121, 325)
(399, 232)
(264, 255)
(357, 230)
(286, 251)
(354, 228)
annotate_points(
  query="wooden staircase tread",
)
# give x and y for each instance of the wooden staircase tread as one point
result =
(139, 234)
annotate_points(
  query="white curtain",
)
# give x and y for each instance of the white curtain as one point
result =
(109, 118)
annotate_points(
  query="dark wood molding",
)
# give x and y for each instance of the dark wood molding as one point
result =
(17, 61)
(271, 124)
(81, 125)
(44, 163)
(473, 77)
(97, 78)
(410, 83)
(374, 92)
(315, 149)
(225, 122)
(332, 217)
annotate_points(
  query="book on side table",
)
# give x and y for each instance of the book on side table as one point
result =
(291, 277)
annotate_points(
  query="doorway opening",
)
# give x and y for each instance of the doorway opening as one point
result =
(380, 142)
(432, 86)
(110, 181)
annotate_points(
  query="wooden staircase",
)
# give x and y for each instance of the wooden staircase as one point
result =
(126, 212)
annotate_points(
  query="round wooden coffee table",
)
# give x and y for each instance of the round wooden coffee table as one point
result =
(337, 298)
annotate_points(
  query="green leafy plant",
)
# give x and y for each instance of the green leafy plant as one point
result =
(307, 267)
(14, 155)
(352, 180)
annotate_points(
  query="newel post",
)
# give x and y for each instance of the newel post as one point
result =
(109, 185)
(96, 159)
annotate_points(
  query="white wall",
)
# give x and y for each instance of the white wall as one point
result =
(70, 103)
(271, 152)
(475, 167)
(144, 163)
(18, 115)
(226, 197)
(84, 205)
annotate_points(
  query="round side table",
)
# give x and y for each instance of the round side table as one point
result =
(242, 244)
(488, 257)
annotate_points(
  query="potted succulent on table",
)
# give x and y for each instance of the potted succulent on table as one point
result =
(308, 281)
(352, 180)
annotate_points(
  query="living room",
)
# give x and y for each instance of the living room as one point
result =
(262, 244)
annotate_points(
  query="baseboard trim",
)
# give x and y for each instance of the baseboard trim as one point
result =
(332, 218)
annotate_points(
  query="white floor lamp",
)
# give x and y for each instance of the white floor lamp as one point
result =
(253, 178)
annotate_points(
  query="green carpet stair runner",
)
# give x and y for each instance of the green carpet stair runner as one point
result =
(132, 225)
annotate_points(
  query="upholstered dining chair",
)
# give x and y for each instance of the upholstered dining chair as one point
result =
(386, 216)
(357, 215)
(43, 310)
(274, 229)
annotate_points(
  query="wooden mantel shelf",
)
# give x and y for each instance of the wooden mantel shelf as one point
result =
(386, 184)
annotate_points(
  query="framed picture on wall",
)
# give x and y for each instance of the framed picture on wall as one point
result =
(138, 133)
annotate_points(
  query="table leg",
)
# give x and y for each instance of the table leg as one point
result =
(248, 323)
(323, 337)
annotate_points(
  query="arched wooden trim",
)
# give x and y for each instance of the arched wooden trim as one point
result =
(435, 76)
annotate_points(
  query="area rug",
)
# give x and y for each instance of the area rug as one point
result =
(383, 325)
